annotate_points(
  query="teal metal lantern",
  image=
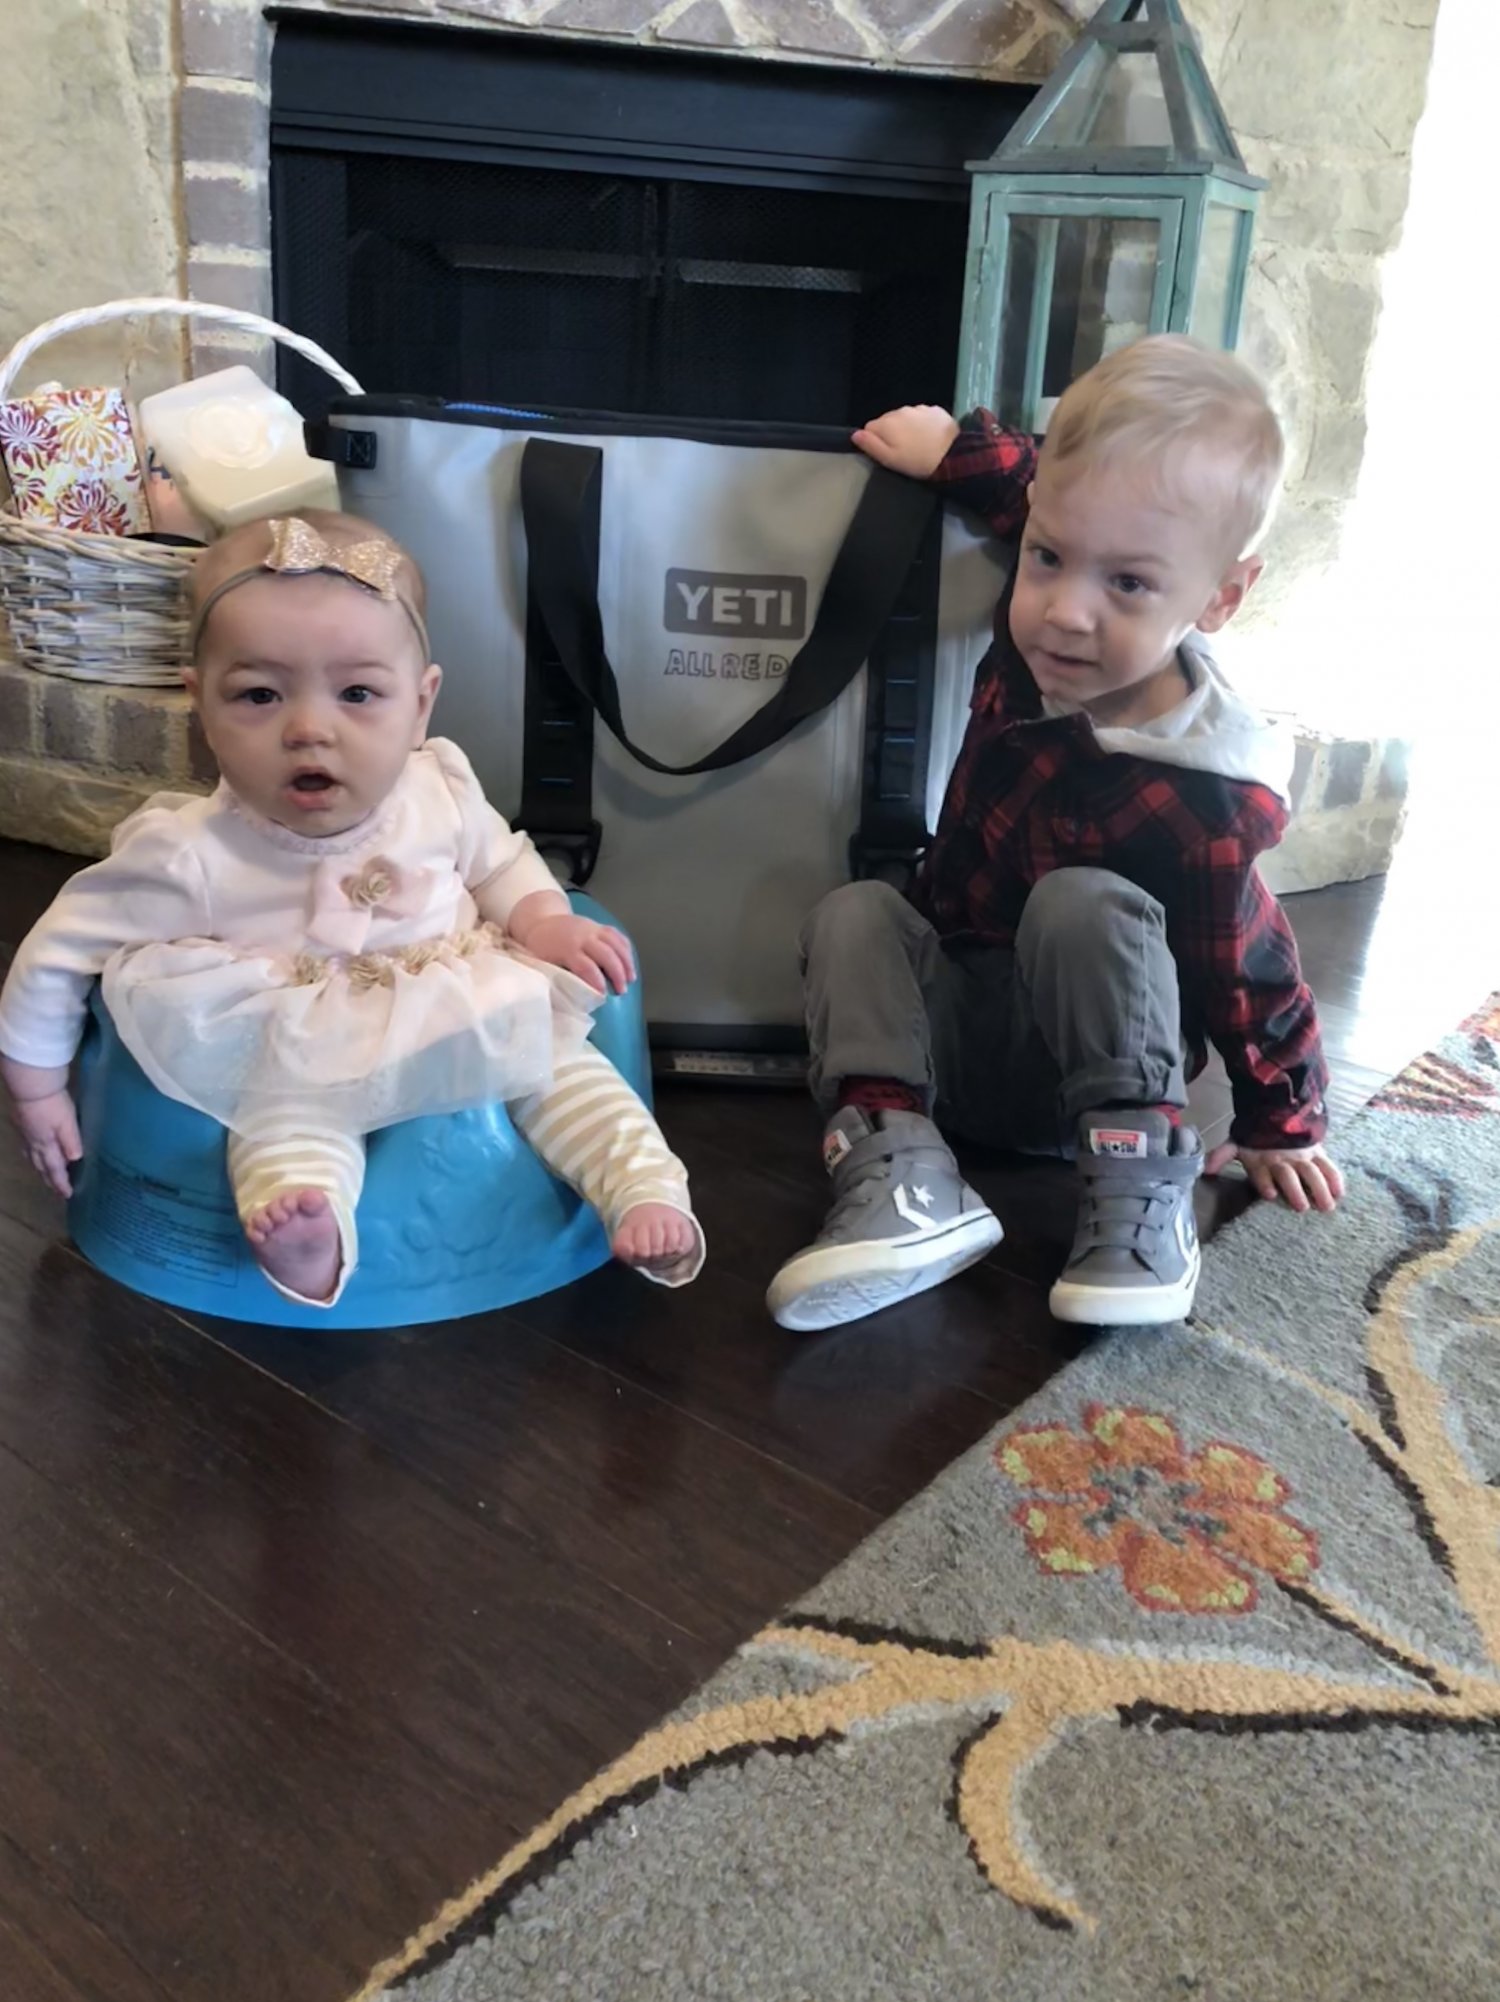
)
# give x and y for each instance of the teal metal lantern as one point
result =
(1118, 206)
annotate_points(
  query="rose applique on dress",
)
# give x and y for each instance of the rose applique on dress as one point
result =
(346, 901)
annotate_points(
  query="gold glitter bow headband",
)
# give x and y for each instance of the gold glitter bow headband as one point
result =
(298, 550)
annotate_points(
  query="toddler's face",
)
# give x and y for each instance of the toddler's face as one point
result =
(1112, 579)
(313, 695)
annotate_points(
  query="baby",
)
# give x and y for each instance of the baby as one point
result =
(344, 935)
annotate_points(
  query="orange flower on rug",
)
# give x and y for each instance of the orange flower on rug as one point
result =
(1187, 1531)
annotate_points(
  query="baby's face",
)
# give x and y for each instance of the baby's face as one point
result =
(1113, 576)
(313, 695)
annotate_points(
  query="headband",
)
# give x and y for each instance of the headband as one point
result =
(298, 550)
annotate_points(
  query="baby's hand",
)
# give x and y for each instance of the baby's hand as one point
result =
(913, 440)
(49, 1133)
(1304, 1177)
(596, 953)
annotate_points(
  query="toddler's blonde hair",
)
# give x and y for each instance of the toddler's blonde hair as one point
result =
(1198, 418)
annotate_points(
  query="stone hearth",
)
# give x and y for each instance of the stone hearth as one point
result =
(76, 757)
(1348, 810)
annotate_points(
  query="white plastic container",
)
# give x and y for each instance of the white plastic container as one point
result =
(235, 448)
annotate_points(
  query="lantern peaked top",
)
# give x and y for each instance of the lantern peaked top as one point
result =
(1131, 97)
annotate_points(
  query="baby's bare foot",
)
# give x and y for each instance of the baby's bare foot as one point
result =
(295, 1241)
(654, 1235)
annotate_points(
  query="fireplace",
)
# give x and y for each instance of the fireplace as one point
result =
(503, 218)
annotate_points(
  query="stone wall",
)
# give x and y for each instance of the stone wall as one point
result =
(1324, 97)
(89, 168)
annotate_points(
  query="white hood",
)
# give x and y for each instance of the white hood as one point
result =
(1210, 730)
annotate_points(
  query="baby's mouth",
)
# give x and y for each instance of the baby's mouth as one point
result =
(313, 782)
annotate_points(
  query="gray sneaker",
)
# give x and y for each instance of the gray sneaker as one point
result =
(1135, 1257)
(903, 1219)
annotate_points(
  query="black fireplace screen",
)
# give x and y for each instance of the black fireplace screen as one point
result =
(620, 235)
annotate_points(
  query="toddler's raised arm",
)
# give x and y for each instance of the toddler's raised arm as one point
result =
(976, 462)
(989, 470)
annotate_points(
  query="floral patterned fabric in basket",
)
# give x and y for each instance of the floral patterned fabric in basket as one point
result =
(70, 457)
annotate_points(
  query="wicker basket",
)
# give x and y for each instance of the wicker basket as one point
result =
(106, 607)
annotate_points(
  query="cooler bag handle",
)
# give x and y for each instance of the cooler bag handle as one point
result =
(560, 494)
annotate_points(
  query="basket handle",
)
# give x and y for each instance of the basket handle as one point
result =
(182, 309)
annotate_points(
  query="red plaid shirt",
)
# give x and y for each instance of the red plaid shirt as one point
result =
(1030, 794)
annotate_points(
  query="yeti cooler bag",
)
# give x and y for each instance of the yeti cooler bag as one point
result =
(714, 669)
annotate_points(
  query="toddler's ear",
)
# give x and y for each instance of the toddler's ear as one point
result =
(1231, 594)
(191, 682)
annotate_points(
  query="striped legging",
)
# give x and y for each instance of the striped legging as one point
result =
(588, 1126)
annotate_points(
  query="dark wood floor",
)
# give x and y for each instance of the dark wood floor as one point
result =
(298, 1633)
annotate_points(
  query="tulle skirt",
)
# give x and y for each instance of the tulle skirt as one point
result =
(370, 1040)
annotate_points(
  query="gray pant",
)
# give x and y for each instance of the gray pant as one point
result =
(1008, 1046)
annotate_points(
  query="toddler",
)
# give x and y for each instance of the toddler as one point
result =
(1090, 912)
(344, 935)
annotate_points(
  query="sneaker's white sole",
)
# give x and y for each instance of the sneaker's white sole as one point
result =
(831, 1284)
(1126, 1306)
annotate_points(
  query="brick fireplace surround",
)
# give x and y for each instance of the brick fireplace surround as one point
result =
(225, 55)
(73, 758)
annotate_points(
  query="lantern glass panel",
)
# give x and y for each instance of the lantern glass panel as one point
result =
(1203, 130)
(1076, 288)
(1208, 118)
(1107, 265)
(1132, 107)
(1008, 400)
(1216, 268)
(1070, 121)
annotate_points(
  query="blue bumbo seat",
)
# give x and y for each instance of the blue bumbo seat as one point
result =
(457, 1215)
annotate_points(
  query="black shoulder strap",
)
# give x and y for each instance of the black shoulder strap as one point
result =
(557, 756)
(895, 520)
(892, 834)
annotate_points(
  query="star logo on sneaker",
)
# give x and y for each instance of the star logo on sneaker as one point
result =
(923, 1196)
(1187, 1232)
(908, 1209)
(1126, 1141)
(836, 1146)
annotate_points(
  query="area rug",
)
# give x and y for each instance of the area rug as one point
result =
(1185, 1683)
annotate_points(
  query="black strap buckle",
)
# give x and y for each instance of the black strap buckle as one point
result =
(580, 845)
(891, 858)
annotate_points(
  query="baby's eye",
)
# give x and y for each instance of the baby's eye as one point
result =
(1047, 558)
(1129, 585)
(258, 698)
(358, 694)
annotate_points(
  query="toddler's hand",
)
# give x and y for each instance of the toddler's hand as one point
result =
(595, 952)
(1303, 1177)
(49, 1133)
(913, 440)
